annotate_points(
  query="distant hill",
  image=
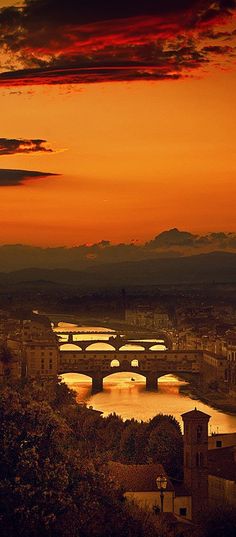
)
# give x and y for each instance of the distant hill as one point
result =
(172, 243)
(203, 268)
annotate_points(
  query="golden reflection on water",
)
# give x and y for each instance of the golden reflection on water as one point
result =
(131, 400)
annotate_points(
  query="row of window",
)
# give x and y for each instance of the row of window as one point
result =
(50, 366)
(232, 356)
(43, 353)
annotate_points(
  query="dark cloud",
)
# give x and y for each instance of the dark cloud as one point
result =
(183, 241)
(19, 177)
(215, 49)
(173, 237)
(74, 41)
(12, 146)
(168, 244)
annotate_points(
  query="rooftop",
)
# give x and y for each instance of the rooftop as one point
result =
(138, 477)
(195, 414)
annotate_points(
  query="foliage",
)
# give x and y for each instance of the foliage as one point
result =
(6, 355)
(218, 522)
(50, 484)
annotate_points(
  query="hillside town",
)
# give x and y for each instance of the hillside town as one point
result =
(31, 352)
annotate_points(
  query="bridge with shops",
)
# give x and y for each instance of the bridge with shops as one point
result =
(150, 364)
(119, 354)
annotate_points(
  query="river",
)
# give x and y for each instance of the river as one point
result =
(129, 399)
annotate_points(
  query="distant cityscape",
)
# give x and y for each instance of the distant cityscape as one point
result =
(32, 350)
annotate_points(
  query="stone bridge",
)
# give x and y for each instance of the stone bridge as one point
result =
(151, 364)
(116, 342)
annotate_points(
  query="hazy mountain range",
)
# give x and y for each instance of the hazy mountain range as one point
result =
(203, 268)
(170, 244)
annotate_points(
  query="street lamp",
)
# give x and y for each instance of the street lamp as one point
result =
(161, 482)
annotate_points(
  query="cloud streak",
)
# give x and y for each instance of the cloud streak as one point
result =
(19, 177)
(13, 146)
(10, 178)
(51, 42)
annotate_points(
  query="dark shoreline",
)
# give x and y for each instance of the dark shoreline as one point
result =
(216, 399)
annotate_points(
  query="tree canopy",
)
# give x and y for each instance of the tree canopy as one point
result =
(53, 481)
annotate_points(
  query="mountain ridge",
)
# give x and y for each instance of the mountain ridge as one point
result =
(214, 266)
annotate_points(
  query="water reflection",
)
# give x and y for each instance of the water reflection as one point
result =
(130, 400)
(126, 395)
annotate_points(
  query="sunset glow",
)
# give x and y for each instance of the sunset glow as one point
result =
(130, 158)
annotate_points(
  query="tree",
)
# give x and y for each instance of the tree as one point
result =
(128, 443)
(165, 446)
(218, 522)
(47, 488)
(6, 355)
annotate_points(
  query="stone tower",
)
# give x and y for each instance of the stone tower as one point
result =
(196, 459)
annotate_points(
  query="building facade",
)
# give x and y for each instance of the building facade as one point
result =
(196, 459)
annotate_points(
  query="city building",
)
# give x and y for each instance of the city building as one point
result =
(41, 359)
(139, 483)
(40, 348)
(148, 317)
(187, 499)
(196, 459)
(222, 476)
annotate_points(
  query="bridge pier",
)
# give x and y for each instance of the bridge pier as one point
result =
(151, 382)
(97, 384)
(70, 338)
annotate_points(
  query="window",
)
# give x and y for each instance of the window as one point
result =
(182, 511)
(199, 459)
(199, 433)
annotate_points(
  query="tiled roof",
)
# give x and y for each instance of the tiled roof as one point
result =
(222, 463)
(195, 414)
(137, 477)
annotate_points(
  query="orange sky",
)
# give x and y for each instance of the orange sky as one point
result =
(133, 158)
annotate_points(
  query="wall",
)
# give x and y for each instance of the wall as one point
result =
(41, 359)
(214, 368)
(183, 501)
(225, 439)
(148, 500)
(221, 491)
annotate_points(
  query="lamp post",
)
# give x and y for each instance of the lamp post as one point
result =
(161, 482)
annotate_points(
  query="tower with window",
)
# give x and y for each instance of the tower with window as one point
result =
(196, 459)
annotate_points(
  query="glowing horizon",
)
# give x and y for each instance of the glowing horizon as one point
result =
(121, 161)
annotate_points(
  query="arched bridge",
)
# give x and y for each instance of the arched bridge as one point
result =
(150, 364)
(116, 342)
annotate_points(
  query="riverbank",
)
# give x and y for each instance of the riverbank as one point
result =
(221, 401)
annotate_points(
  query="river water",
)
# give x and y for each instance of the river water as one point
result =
(129, 399)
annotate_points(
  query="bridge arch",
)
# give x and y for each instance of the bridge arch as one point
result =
(73, 377)
(132, 375)
(131, 347)
(70, 347)
(158, 347)
(100, 347)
